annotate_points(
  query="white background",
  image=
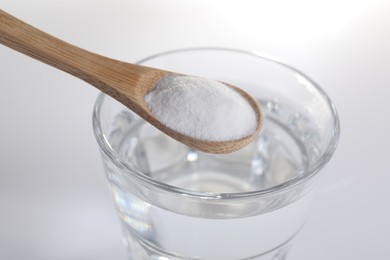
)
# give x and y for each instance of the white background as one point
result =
(54, 200)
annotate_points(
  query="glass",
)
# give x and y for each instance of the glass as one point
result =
(177, 203)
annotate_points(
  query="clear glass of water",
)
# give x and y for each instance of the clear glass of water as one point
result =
(178, 203)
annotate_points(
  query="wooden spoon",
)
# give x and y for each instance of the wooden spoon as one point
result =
(127, 83)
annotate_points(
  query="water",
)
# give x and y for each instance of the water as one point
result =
(285, 148)
(154, 231)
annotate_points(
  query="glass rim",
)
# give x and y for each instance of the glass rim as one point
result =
(300, 179)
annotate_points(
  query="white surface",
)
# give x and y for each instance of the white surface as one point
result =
(54, 202)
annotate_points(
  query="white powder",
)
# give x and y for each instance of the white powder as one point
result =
(201, 108)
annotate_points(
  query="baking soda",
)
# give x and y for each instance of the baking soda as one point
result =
(201, 108)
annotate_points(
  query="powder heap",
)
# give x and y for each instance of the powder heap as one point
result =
(201, 108)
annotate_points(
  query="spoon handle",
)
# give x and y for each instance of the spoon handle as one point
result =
(39, 45)
(95, 69)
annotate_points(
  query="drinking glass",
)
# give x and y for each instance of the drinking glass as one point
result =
(178, 203)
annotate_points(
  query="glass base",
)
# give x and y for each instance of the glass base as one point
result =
(139, 250)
